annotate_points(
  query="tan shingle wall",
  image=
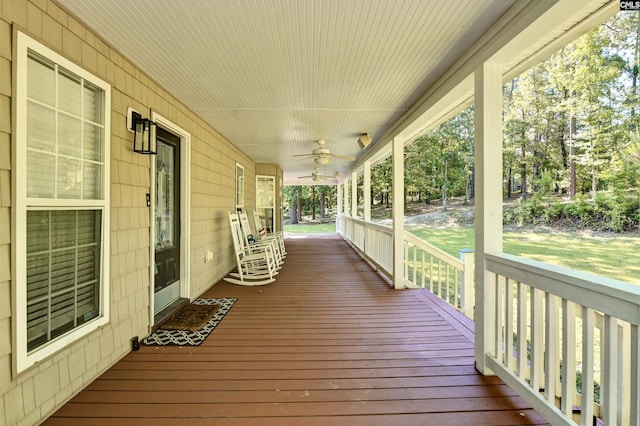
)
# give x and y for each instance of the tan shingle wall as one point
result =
(29, 398)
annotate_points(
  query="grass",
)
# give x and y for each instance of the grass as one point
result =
(611, 256)
(311, 228)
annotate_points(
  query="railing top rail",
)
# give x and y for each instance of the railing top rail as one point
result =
(435, 251)
(377, 226)
(609, 296)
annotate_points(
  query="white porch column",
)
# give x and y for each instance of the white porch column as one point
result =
(367, 191)
(354, 194)
(339, 209)
(488, 227)
(345, 199)
(397, 159)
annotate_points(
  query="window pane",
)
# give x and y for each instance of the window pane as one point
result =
(93, 142)
(69, 93)
(69, 135)
(38, 273)
(165, 196)
(62, 269)
(37, 324)
(41, 78)
(87, 267)
(38, 235)
(92, 181)
(62, 314)
(40, 127)
(63, 228)
(93, 102)
(69, 178)
(40, 175)
(88, 228)
(87, 307)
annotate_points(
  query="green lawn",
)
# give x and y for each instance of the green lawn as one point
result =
(311, 228)
(611, 256)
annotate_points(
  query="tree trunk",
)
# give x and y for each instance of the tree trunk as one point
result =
(634, 84)
(445, 187)
(321, 203)
(572, 157)
(313, 202)
(293, 212)
(299, 203)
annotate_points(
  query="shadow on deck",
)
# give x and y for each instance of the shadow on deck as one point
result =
(328, 343)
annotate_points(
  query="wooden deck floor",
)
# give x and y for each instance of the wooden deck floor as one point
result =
(329, 343)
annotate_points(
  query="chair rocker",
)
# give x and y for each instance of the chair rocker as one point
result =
(256, 266)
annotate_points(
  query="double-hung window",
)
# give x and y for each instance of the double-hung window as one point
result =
(239, 187)
(62, 205)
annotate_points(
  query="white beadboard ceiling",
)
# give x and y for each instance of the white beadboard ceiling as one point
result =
(273, 76)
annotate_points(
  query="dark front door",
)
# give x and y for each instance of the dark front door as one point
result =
(167, 220)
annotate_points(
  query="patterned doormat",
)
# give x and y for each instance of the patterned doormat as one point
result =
(192, 317)
(163, 337)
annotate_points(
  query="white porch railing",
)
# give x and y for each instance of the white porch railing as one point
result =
(427, 266)
(566, 341)
(553, 324)
(374, 241)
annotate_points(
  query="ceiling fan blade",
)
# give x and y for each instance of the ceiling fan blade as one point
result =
(344, 157)
(303, 155)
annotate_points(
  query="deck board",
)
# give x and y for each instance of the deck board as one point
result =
(328, 343)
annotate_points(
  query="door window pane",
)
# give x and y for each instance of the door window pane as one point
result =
(165, 196)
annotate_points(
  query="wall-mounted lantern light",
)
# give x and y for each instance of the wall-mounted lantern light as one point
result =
(144, 133)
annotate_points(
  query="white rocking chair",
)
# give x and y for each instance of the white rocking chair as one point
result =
(257, 241)
(262, 233)
(256, 266)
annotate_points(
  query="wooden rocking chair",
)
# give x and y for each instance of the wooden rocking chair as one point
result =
(256, 266)
(262, 233)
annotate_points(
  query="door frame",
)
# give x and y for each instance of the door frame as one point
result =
(185, 212)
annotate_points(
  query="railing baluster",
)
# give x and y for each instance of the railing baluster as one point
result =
(587, 367)
(406, 260)
(609, 388)
(431, 273)
(634, 408)
(624, 373)
(447, 292)
(440, 278)
(415, 261)
(551, 344)
(522, 331)
(508, 324)
(422, 269)
(537, 348)
(498, 313)
(456, 292)
(568, 357)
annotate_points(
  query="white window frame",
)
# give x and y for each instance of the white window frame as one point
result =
(239, 186)
(22, 358)
(260, 183)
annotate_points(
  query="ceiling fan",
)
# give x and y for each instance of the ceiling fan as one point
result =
(322, 155)
(316, 176)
